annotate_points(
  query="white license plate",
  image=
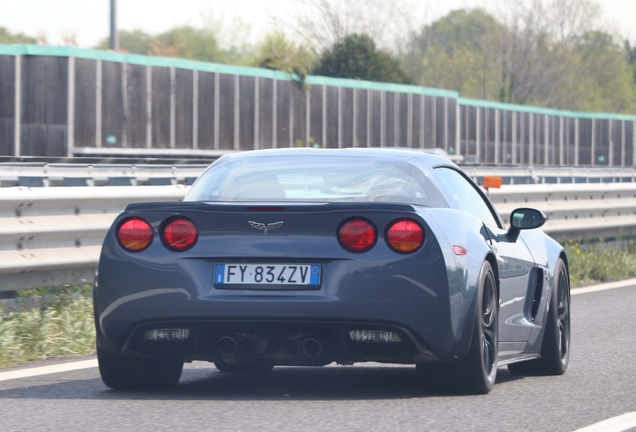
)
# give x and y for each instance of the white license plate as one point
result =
(267, 274)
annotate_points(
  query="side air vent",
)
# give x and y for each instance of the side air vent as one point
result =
(538, 291)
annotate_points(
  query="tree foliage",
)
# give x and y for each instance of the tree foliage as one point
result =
(542, 53)
(6, 37)
(278, 52)
(357, 57)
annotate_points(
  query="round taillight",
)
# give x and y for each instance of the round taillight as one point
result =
(180, 234)
(135, 234)
(405, 236)
(357, 235)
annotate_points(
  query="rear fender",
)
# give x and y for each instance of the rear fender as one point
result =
(456, 228)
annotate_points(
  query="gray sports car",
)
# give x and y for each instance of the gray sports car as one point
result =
(308, 257)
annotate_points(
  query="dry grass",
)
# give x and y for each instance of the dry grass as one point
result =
(59, 325)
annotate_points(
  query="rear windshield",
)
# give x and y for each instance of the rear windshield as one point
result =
(316, 179)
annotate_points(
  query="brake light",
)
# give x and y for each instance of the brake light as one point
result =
(405, 236)
(357, 235)
(135, 234)
(180, 234)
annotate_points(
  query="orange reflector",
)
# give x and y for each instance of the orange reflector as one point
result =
(459, 250)
(492, 182)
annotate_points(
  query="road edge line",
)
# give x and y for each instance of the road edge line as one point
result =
(47, 370)
(619, 423)
(603, 287)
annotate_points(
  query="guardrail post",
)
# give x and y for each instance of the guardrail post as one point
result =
(531, 139)
(217, 96)
(369, 108)
(339, 117)
(593, 162)
(409, 121)
(396, 120)
(173, 111)
(324, 116)
(497, 137)
(546, 145)
(17, 110)
(307, 117)
(576, 141)
(124, 99)
(446, 124)
(382, 118)
(98, 103)
(561, 137)
(70, 110)
(610, 162)
(237, 111)
(148, 106)
(477, 133)
(622, 143)
(422, 120)
(195, 109)
(257, 112)
(355, 118)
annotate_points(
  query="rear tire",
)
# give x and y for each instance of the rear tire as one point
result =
(243, 367)
(124, 373)
(555, 348)
(477, 371)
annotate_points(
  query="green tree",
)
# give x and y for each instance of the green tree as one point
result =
(460, 51)
(6, 37)
(188, 42)
(134, 41)
(357, 57)
(600, 76)
(277, 52)
(631, 56)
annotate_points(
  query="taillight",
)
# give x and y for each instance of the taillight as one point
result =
(357, 235)
(405, 236)
(135, 234)
(180, 234)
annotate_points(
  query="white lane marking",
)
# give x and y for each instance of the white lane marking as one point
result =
(45, 370)
(614, 424)
(603, 287)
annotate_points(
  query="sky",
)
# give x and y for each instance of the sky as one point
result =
(88, 20)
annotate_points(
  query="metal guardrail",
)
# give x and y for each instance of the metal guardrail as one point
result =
(73, 174)
(52, 236)
(67, 174)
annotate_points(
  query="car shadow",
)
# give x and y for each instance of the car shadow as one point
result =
(285, 383)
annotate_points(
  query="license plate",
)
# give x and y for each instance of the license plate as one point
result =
(267, 274)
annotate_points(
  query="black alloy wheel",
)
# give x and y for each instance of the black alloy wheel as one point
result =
(555, 349)
(477, 371)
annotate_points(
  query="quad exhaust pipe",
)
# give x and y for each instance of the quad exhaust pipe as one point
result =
(312, 348)
(228, 345)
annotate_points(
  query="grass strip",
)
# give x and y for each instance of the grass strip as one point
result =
(55, 323)
(601, 262)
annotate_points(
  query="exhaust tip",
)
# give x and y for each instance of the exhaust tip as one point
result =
(226, 345)
(312, 348)
(247, 345)
(291, 346)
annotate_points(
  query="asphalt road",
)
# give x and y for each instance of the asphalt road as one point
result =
(600, 383)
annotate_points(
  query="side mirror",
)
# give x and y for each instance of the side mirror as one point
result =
(524, 218)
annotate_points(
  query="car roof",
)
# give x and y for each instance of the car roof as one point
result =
(423, 156)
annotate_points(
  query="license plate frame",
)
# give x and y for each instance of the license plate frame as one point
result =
(273, 276)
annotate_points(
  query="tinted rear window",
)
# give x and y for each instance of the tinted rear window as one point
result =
(316, 179)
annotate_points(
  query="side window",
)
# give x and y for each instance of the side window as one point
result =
(464, 195)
